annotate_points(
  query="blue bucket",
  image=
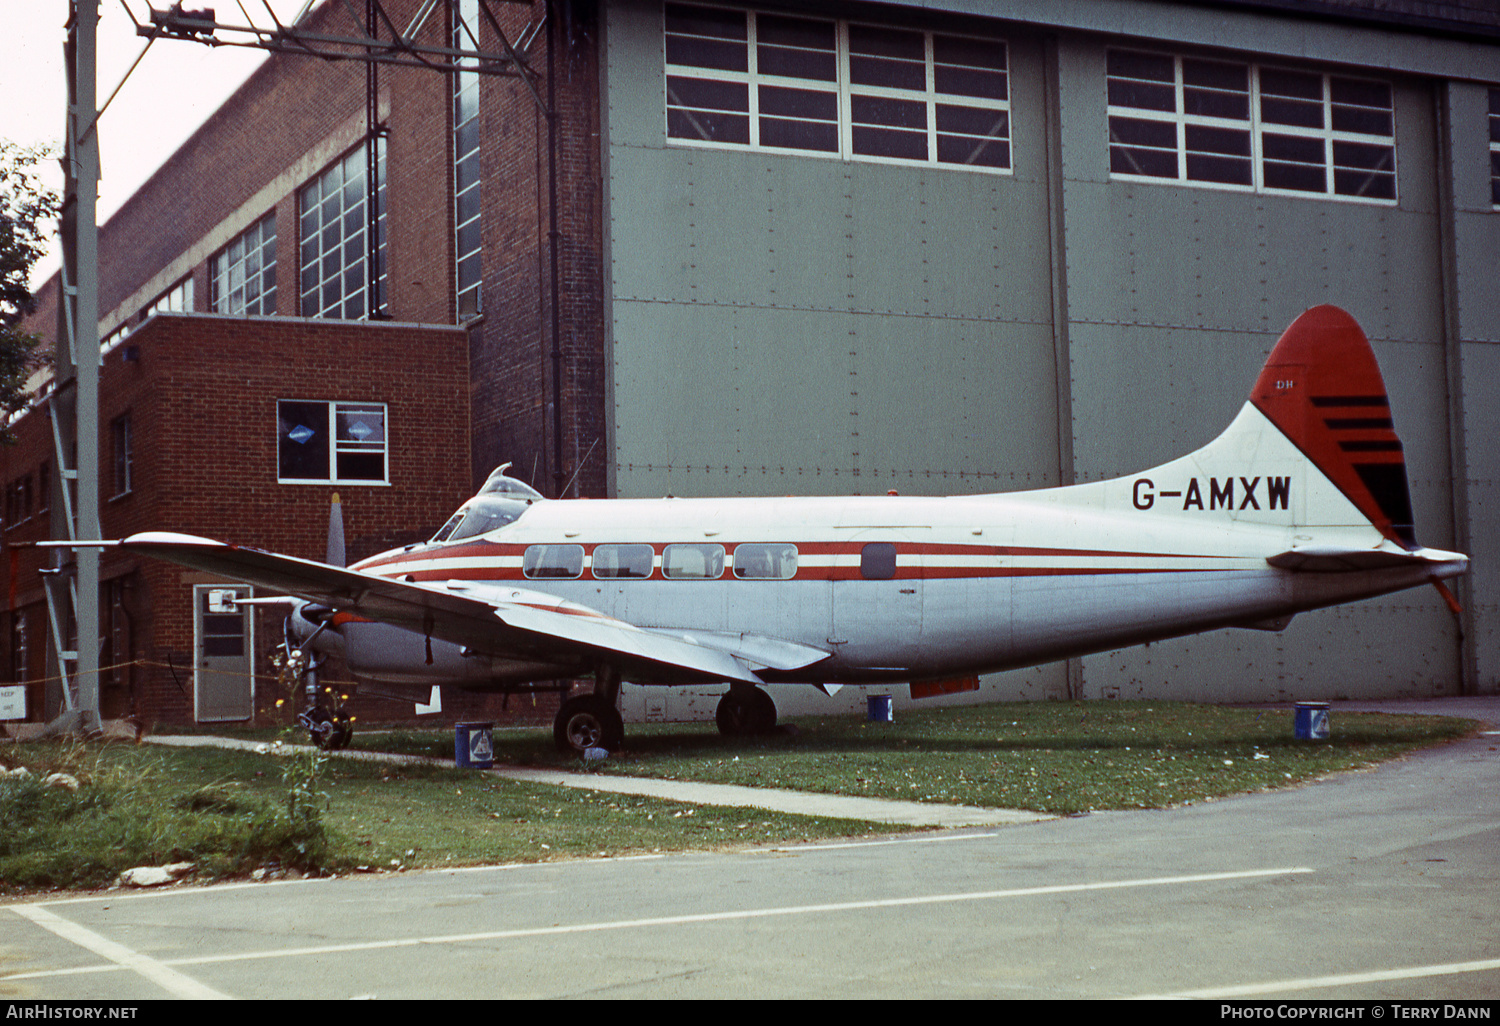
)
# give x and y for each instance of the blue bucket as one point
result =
(1311, 721)
(474, 745)
(880, 709)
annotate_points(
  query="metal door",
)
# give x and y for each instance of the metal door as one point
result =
(877, 615)
(223, 643)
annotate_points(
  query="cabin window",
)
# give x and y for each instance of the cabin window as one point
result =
(773, 562)
(553, 562)
(790, 84)
(877, 561)
(1231, 125)
(701, 562)
(330, 442)
(623, 561)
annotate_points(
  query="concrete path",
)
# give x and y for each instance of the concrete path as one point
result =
(801, 803)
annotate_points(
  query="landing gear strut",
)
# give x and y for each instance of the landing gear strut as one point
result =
(325, 719)
(745, 709)
(592, 720)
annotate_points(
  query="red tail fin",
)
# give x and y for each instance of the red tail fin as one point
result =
(1323, 389)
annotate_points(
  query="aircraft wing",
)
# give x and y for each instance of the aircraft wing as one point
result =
(497, 620)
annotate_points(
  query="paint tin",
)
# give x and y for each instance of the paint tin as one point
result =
(474, 745)
(880, 709)
(1311, 721)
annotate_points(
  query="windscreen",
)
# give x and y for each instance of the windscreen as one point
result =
(480, 515)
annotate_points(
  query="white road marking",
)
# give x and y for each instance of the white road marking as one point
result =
(1316, 982)
(169, 979)
(709, 917)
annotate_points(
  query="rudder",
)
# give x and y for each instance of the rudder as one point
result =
(1322, 388)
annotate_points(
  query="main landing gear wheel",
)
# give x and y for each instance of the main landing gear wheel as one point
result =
(745, 710)
(588, 721)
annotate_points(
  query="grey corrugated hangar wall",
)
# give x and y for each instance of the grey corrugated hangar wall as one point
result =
(781, 323)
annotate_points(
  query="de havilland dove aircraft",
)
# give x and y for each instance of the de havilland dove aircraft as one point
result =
(1301, 503)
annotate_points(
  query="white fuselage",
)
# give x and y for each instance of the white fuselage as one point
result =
(978, 584)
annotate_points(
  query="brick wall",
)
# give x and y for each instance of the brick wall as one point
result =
(201, 394)
(296, 115)
(512, 346)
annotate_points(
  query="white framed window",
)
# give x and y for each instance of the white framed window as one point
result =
(790, 84)
(1232, 125)
(122, 438)
(320, 442)
(242, 277)
(334, 229)
(1495, 148)
(466, 208)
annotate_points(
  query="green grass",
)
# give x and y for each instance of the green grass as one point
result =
(230, 812)
(1057, 757)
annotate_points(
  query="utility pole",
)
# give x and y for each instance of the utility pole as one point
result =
(72, 584)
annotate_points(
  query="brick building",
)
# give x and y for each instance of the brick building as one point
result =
(955, 246)
(242, 429)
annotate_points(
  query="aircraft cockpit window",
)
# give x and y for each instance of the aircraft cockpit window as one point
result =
(699, 561)
(632, 561)
(773, 562)
(557, 562)
(448, 528)
(480, 515)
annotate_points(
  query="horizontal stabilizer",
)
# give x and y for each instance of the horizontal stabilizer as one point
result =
(1339, 559)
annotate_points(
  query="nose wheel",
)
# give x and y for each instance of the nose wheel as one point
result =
(330, 730)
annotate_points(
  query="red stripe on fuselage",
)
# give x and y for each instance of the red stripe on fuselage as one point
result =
(931, 567)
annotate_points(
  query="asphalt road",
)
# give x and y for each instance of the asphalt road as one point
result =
(1375, 885)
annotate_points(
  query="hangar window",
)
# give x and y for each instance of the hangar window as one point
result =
(242, 277)
(688, 562)
(862, 92)
(1241, 126)
(335, 239)
(554, 562)
(758, 561)
(177, 299)
(1495, 147)
(630, 561)
(330, 442)
(466, 135)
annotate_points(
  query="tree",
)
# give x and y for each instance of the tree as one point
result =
(28, 210)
